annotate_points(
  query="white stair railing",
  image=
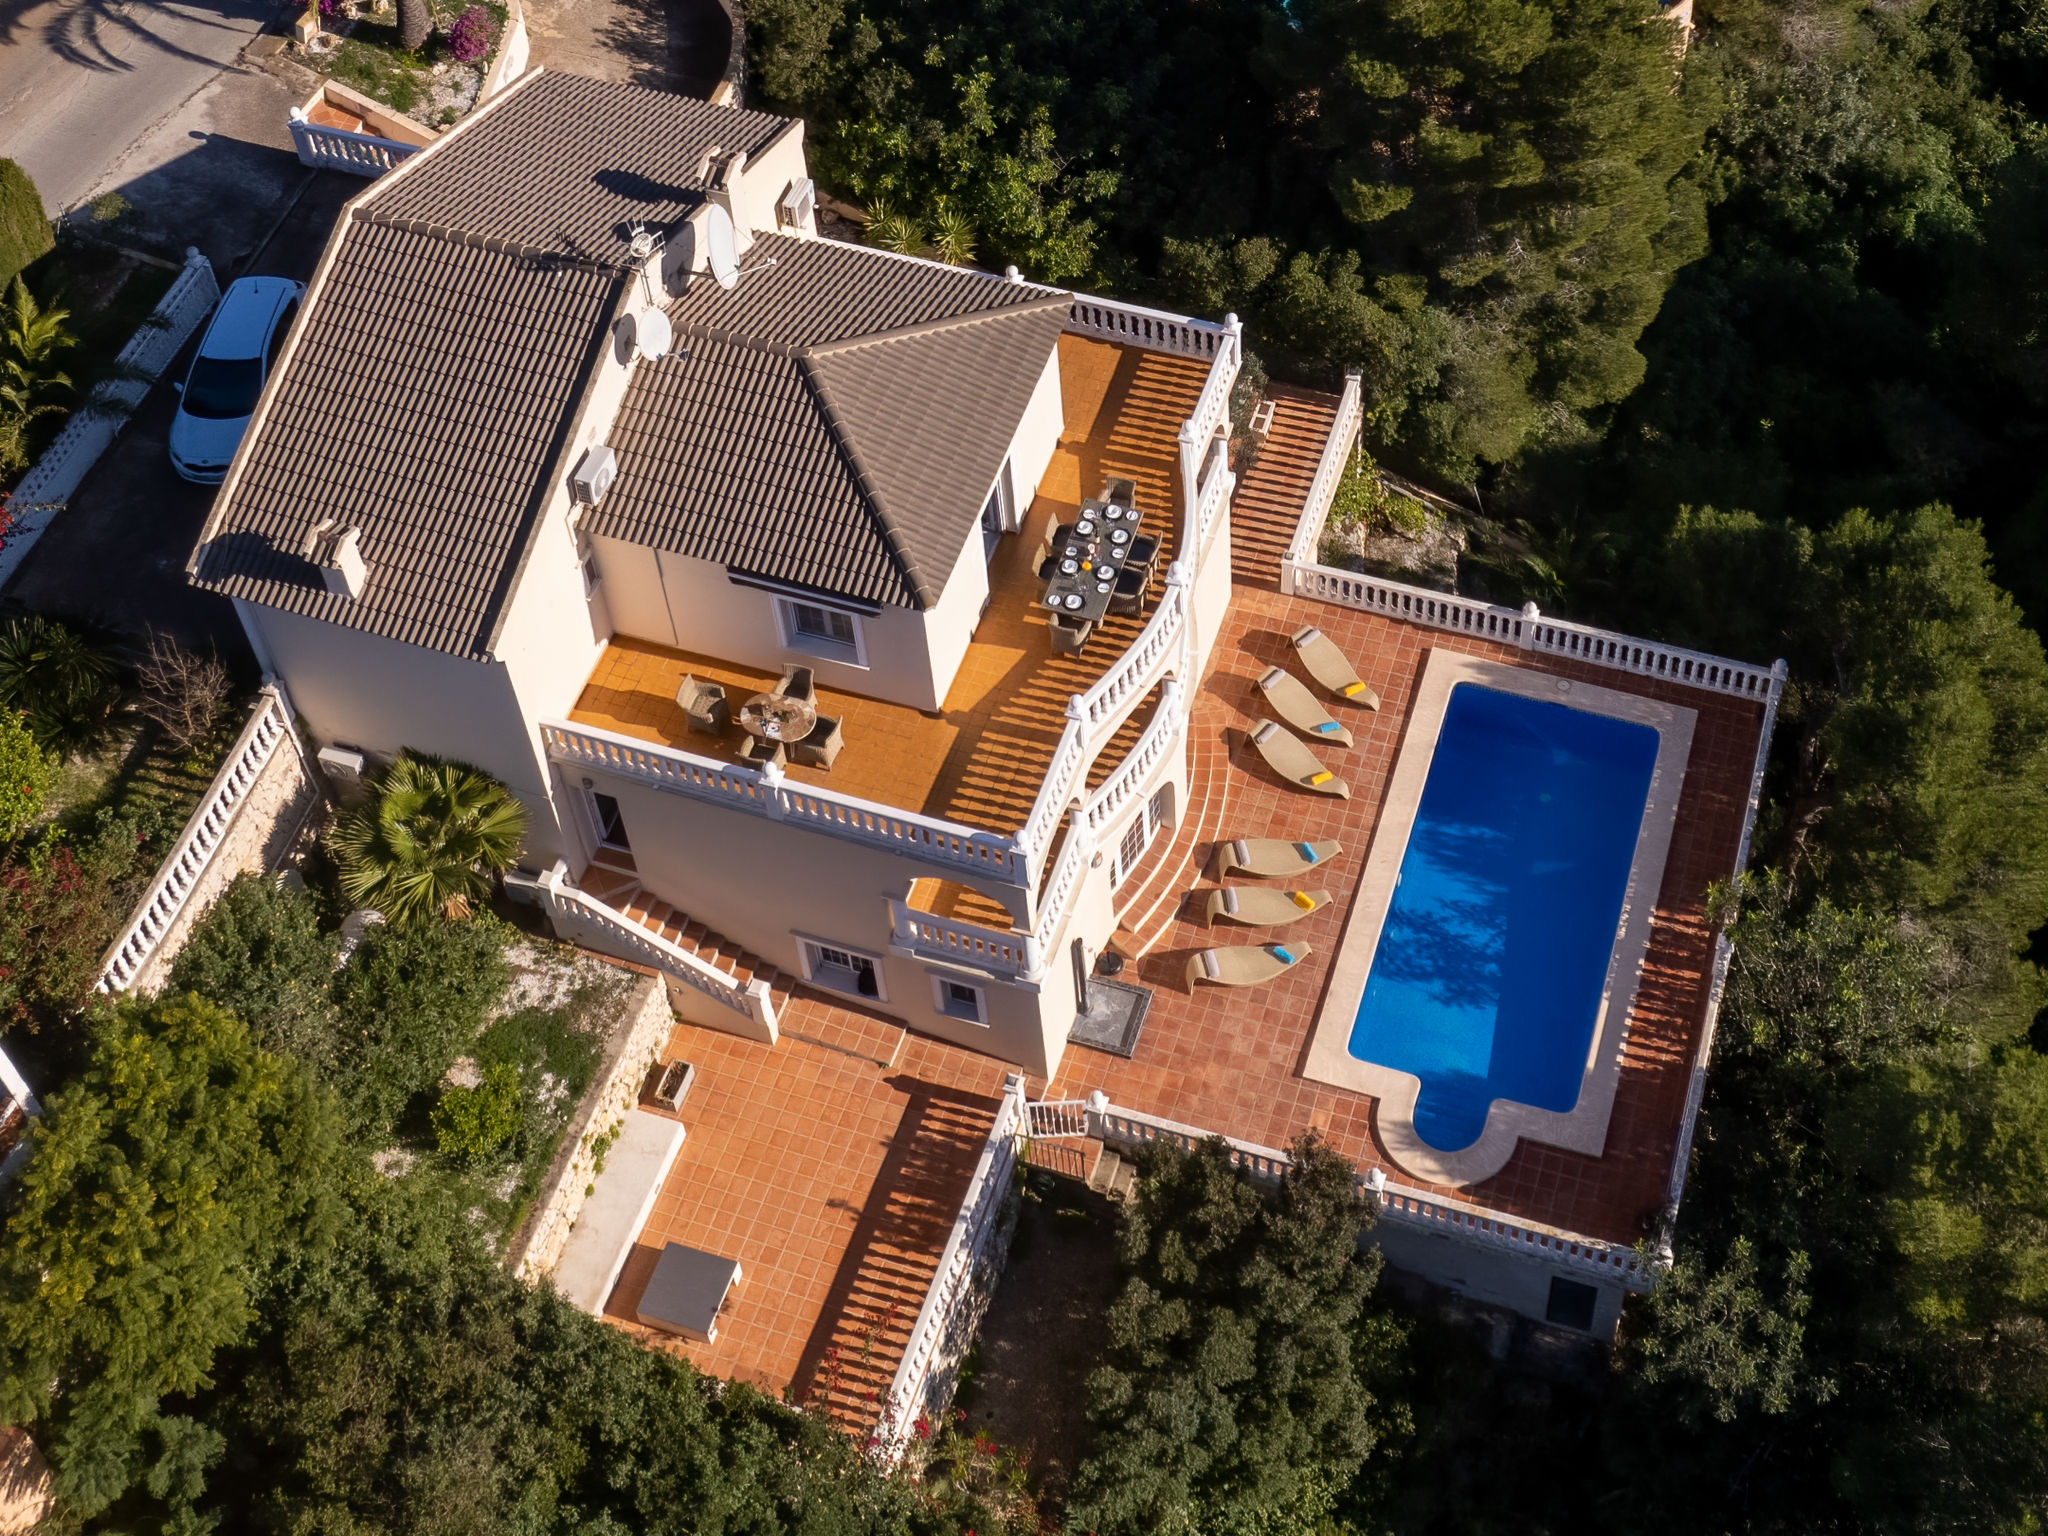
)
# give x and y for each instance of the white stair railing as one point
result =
(337, 149)
(1322, 491)
(566, 904)
(1002, 952)
(179, 874)
(1155, 330)
(960, 1290)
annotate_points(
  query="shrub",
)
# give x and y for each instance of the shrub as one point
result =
(412, 1000)
(61, 904)
(470, 38)
(25, 231)
(26, 774)
(62, 682)
(476, 1125)
(182, 693)
(260, 954)
(429, 839)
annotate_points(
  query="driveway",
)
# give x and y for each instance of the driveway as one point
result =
(83, 80)
(116, 556)
(671, 45)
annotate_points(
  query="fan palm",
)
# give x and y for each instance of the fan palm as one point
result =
(952, 236)
(60, 680)
(893, 231)
(427, 843)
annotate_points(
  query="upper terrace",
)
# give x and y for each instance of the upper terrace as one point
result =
(981, 762)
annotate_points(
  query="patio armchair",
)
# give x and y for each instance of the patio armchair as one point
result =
(1244, 965)
(1260, 906)
(796, 683)
(1144, 550)
(1271, 858)
(1069, 636)
(1119, 490)
(1331, 667)
(1298, 707)
(758, 753)
(1129, 597)
(1294, 762)
(1042, 561)
(703, 706)
(818, 749)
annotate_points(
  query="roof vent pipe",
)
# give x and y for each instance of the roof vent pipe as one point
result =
(340, 558)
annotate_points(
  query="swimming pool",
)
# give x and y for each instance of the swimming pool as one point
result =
(1495, 950)
(1481, 990)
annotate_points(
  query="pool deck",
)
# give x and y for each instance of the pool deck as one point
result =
(1231, 1060)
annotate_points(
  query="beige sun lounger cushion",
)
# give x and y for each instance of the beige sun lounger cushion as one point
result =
(1295, 763)
(1271, 858)
(1260, 906)
(1331, 667)
(1298, 707)
(1245, 965)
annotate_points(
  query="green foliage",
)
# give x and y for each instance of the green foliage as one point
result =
(26, 774)
(162, 1185)
(475, 1126)
(429, 839)
(412, 1000)
(892, 231)
(61, 681)
(62, 901)
(1240, 1386)
(31, 384)
(259, 953)
(25, 231)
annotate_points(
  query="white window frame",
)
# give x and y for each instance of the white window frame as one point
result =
(823, 647)
(593, 578)
(951, 1008)
(596, 814)
(824, 973)
(1150, 820)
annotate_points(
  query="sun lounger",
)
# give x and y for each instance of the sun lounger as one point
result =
(1245, 965)
(1331, 667)
(1271, 858)
(1295, 763)
(1260, 906)
(1298, 707)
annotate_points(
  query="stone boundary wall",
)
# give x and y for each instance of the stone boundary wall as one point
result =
(613, 1092)
(285, 797)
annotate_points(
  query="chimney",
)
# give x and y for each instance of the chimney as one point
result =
(729, 187)
(339, 554)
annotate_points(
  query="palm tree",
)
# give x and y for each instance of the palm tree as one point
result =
(59, 679)
(30, 339)
(427, 843)
(893, 231)
(415, 23)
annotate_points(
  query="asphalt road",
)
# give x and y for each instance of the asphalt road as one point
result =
(83, 80)
(115, 557)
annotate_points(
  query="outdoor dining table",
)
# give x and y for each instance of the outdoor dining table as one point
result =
(1087, 556)
(778, 717)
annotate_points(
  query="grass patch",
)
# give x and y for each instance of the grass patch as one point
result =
(370, 59)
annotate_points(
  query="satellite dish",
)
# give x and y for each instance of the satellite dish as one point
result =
(652, 335)
(720, 248)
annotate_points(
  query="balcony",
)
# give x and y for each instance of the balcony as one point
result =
(979, 764)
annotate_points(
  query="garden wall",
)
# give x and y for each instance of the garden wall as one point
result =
(629, 1054)
(265, 817)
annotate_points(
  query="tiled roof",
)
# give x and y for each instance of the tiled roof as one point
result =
(565, 163)
(836, 419)
(443, 351)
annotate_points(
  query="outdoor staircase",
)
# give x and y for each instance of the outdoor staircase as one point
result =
(1113, 1175)
(620, 889)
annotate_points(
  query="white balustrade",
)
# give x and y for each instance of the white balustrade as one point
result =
(567, 905)
(1153, 329)
(1168, 720)
(1002, 952)
(1396, 1204)
(337, 149)
(178, 876)
(905, 832)
(960, 1290)
(1212, 498)
(1322, 491)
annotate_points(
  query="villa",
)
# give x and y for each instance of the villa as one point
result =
(876, 646)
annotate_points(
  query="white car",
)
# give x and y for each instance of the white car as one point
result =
(235, 356)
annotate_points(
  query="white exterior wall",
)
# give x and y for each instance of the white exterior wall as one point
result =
(766, 179)
(1038, 434)
(1520, 1282)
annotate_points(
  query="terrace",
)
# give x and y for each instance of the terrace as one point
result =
(979, 763)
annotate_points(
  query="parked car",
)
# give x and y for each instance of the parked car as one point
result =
(218, 394)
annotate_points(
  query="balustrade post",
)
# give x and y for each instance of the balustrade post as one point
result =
(1530, 614)
(771, 790)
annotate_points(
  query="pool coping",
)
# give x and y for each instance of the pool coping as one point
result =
(1584, 1127)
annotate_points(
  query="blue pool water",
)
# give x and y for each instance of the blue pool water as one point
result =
(1487, 981)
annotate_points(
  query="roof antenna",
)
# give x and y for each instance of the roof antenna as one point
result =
(653, 334)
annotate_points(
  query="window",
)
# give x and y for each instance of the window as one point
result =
(1571, 1304)
(828, 632)
(611, 826)
(843, 970)
(958, 999)
(1132, 848)
(284, 329)
(591, 577)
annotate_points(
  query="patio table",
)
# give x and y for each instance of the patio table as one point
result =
(778, 717)
(1086, 562)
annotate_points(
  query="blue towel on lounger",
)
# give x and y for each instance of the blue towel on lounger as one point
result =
(1282, 952)
(1308, 852)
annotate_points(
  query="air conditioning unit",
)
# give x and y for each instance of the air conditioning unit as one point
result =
(341, 764)
(593, 475)
(797, 203)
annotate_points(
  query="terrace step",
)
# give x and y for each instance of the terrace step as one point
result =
(636, 903)
(1113, 1175)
